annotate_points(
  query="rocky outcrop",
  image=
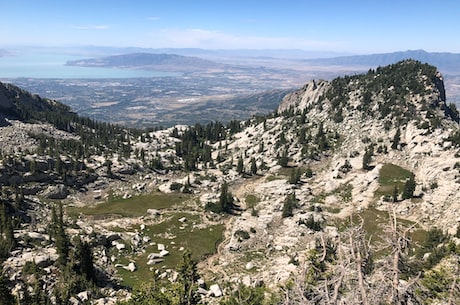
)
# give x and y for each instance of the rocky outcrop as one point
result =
(305, 97)
(56, 192)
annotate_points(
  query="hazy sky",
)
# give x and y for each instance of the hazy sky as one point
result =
(343, 26)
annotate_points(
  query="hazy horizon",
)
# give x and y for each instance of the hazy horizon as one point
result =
(351, 27)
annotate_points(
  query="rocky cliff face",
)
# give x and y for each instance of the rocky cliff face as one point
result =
(306, 96)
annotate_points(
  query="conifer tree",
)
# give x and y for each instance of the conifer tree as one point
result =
(294, 178)
(253, 166)
(225, 199)
(7, 241)
(61, 239)
(395, 193)
(396, 139)
(283, 160)
(409, 187)
(187, 279)
(240, 165)
(289, 204)
(367, 157)
(84, 255)
(6, 298)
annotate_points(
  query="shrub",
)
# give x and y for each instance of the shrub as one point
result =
(241, 234)
(346, 167)
(176, 186)
(409, 188)
(289, 204)
(311, 223)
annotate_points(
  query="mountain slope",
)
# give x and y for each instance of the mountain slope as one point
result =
(354, 141)
(352, 185)
(19, 104)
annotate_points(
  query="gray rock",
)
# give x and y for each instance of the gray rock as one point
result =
(215, 291)
(131, 267)
(83, 296)
(154, 261)
(249, 266)
(56, 192)
(164, 253)
(153, 212)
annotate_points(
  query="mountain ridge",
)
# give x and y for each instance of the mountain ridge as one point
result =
(445, 61)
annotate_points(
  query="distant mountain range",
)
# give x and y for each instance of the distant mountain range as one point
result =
(149, 61)
(446, 62)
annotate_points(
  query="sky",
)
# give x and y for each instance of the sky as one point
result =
(357, 27)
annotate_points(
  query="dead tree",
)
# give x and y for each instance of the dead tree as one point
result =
(387, 276)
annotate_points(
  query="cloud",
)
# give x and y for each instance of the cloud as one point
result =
(202, 38)
(91, 27)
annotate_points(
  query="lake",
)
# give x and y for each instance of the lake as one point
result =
(53, 66)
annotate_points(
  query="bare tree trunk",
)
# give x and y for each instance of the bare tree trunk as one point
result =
(337, 286)
(399, 243)
(359, 269)
(395, 283)
(395, 266)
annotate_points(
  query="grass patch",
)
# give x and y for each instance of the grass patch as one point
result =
(174, 235)
(251, 200)
(391, 175)
(319, 198)
(333, 210)
(345, 192)
(374, 223)
(132, 207)
(285, 171)
(273, 178)
(251, 256)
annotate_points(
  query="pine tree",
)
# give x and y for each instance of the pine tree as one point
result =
(6, 298)
(309, 172)
(240, 165)
(7, 240)
(225, 199)
(289, 204)
(60, 237)
(283, 160)
(409, 188)
(294, 178)
(188, 276)
(108, 164)
(396, 139)
(395, 193)
(367, 157)
(253, 166)
(84, 255)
